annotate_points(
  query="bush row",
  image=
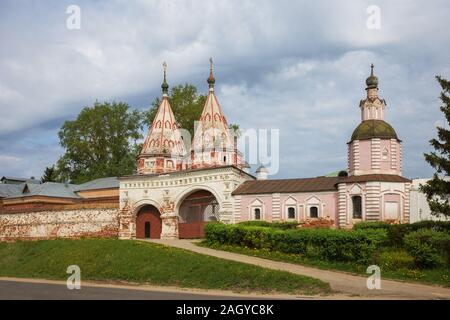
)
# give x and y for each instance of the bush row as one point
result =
(429, 248)
(336, 245)
(397, 232)
(276, 225)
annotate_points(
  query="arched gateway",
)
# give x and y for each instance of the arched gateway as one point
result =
(185, 201)
(195, 210)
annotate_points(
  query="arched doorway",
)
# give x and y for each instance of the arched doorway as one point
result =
(195, 210)
(148, 223)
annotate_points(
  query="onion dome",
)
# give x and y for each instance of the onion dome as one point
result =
(372, 81)
(369, 129)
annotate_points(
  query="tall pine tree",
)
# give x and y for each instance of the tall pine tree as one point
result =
(437, 189)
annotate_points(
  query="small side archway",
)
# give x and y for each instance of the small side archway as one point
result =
(148, 222)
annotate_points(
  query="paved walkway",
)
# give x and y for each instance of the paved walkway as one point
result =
(339, 281)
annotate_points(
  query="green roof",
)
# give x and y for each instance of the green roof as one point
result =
(369, 129)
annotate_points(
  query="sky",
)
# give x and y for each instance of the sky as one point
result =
(296, 66)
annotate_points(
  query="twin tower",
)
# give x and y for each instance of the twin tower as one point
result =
(374, 147)
(213, 145)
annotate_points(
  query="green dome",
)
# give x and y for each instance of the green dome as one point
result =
(369, 129)
(372, 82)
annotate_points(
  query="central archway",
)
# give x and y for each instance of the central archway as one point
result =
(148, 223)
(195, 210)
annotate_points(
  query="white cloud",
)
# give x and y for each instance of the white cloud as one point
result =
(299, 66)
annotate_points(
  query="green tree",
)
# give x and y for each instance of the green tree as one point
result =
(186, 103)
(437, 189)
(101, 142)
(50, 175)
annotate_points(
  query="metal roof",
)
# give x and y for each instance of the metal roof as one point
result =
(7, 190)
(19, 180)
(309, 184)
(48, 189)
(102, 183)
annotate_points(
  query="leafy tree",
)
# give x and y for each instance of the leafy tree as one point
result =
(101, 142)
(186, 103)
(50, 175)
(437, 190)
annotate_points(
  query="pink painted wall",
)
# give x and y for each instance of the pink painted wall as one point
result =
(246, 203)
(329, 199)
(365, 155)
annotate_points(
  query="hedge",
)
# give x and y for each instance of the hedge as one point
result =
(397, 232)
(276, 225)
(429, 248)
(339, 245)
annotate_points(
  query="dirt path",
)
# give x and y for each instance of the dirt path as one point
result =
(339, 281)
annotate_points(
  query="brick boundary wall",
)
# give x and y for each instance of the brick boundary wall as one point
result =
(52, 224)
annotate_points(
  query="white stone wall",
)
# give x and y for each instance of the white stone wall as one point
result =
(419, 209)
(59, 224)
(166, 192)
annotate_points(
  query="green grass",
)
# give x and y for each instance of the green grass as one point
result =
(438, 276)
(146, 263)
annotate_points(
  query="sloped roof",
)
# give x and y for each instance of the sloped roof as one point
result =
(164, 136)
(101, 183)
(376, 177)
(7, 190)
(309, 184)
(48, 189)
(212, 131)
(20, 180)
(55, 189)
(287, 185)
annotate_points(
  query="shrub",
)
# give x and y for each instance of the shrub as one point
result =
(364, 225)
(397, 232)
(343, 245)
(440, 226)
(428, 247)
(395, 259)
(276, 225)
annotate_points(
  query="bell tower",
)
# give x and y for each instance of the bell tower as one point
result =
(374, 147)
(163, 149)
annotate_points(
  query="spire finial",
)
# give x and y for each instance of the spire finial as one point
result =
(165, 86)
(211, 81)
(372, 80)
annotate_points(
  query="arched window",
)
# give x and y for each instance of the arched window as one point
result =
(313, 212)
(257, 214)
(225, 159)
(357, 207)
(291, 213)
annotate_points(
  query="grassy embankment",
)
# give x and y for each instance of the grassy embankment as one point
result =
(145, 263)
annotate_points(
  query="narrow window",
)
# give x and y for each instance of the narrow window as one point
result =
(147, 229)
(385, 154)
(313, 212)
(357, 207)
(291, 213)
(257, 214)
